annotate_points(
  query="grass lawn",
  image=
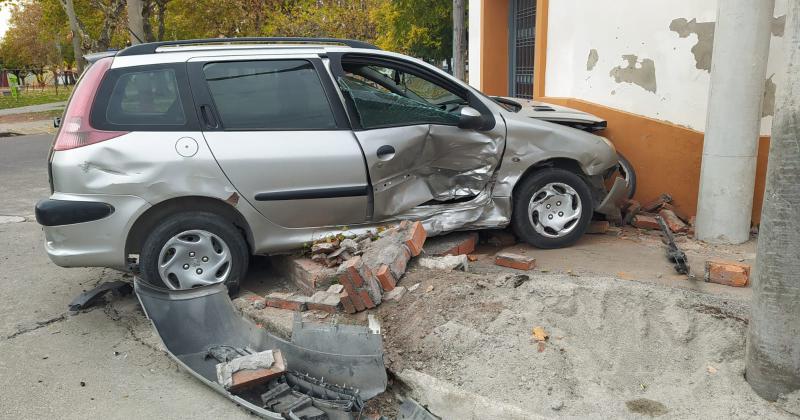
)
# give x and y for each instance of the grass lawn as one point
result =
(35, 97)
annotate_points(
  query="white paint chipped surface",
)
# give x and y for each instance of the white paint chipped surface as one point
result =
(619, 28)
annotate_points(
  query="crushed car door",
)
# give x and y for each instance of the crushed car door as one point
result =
(407, 120)
(279, 132)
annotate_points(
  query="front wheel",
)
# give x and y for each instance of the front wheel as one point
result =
(552, 208)
(194, 249)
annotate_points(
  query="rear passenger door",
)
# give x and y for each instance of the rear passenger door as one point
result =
(280, 134)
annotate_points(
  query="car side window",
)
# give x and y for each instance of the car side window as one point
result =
(269, 95)
(148, 97)
(386, 97)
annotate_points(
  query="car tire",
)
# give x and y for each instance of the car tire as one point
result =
(197, 240)
(562, 191)
(630, 173)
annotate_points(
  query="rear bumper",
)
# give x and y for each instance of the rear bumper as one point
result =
(87, 230)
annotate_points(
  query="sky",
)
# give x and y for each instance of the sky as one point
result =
(5, 14)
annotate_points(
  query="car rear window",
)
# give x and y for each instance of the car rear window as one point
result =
(148, 97)
(269, 95)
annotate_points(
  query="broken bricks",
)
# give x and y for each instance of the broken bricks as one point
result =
(515, 261)
(727, 273)
(675, 224)
(288, 301)
(457, 243)
(249, 370)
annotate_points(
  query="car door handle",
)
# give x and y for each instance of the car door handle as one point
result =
(208, 116)
(385, 152)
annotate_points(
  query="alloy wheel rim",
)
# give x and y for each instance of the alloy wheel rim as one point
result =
(554, 210)
(194, 258)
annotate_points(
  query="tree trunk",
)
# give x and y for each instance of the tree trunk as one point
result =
(136, 30)
(459, 35)
(161, 9)
(772, 364)
(69, 9)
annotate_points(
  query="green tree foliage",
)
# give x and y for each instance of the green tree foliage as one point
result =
(25, 47)
(422, 28)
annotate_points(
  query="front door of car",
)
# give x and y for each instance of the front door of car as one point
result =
(280, 134)
(406, 119)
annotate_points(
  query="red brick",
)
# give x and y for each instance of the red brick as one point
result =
(643, 221)
(466, 246)
(400, 263)
(248, 378)
(355, 271)
(415, 238)
(285, 301)
(598, 226)
(347, 304)
(516, 261)
(306, 273)
(685, 218)
(385, 278)
(350, 291)
(366, 299)
(324, 301)
(728, 273)
(458, 243)
(632, 208)
(656, 204)
(671, 219)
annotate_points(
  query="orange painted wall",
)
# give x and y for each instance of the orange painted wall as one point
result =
(666, 156)
(494, 47)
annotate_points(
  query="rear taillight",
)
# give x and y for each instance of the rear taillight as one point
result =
(76, 130)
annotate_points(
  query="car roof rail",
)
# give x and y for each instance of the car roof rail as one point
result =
(151, 47)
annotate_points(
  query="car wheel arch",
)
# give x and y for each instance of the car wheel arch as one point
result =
(147, 220)
(568, 164)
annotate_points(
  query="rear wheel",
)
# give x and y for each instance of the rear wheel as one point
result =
(552, 208)
(194, 249)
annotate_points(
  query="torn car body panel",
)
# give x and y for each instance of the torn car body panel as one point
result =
(193, 322)
(428, 163)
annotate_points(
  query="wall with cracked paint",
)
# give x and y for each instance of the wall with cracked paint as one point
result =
(645, 57)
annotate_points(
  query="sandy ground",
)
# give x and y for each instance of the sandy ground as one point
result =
(616, 348)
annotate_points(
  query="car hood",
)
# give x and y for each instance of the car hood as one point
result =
(557, 114)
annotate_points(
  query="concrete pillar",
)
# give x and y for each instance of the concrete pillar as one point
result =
(738, 74)
(772, 364)
(475, 44)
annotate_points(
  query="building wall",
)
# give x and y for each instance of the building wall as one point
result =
(650, 58)
(642, 65)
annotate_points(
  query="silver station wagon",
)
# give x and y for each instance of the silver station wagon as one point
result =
(178, 160)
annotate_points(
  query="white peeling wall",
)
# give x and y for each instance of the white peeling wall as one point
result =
(650, 58)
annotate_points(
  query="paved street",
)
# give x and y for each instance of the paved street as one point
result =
(105, 363)
(33, 108)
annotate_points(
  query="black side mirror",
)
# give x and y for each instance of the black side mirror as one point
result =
(471, 119)
(56, 122)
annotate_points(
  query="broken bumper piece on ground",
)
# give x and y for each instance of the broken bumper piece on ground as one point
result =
(324, 372)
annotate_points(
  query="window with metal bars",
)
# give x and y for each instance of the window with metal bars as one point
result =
(522, 40)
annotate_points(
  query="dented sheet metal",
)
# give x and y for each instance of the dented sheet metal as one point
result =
(482, 212)
(415, 164)
(191, 322)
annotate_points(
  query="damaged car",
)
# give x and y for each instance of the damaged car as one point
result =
(179, 160)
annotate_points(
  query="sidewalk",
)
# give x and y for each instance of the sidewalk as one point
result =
(33, 108)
